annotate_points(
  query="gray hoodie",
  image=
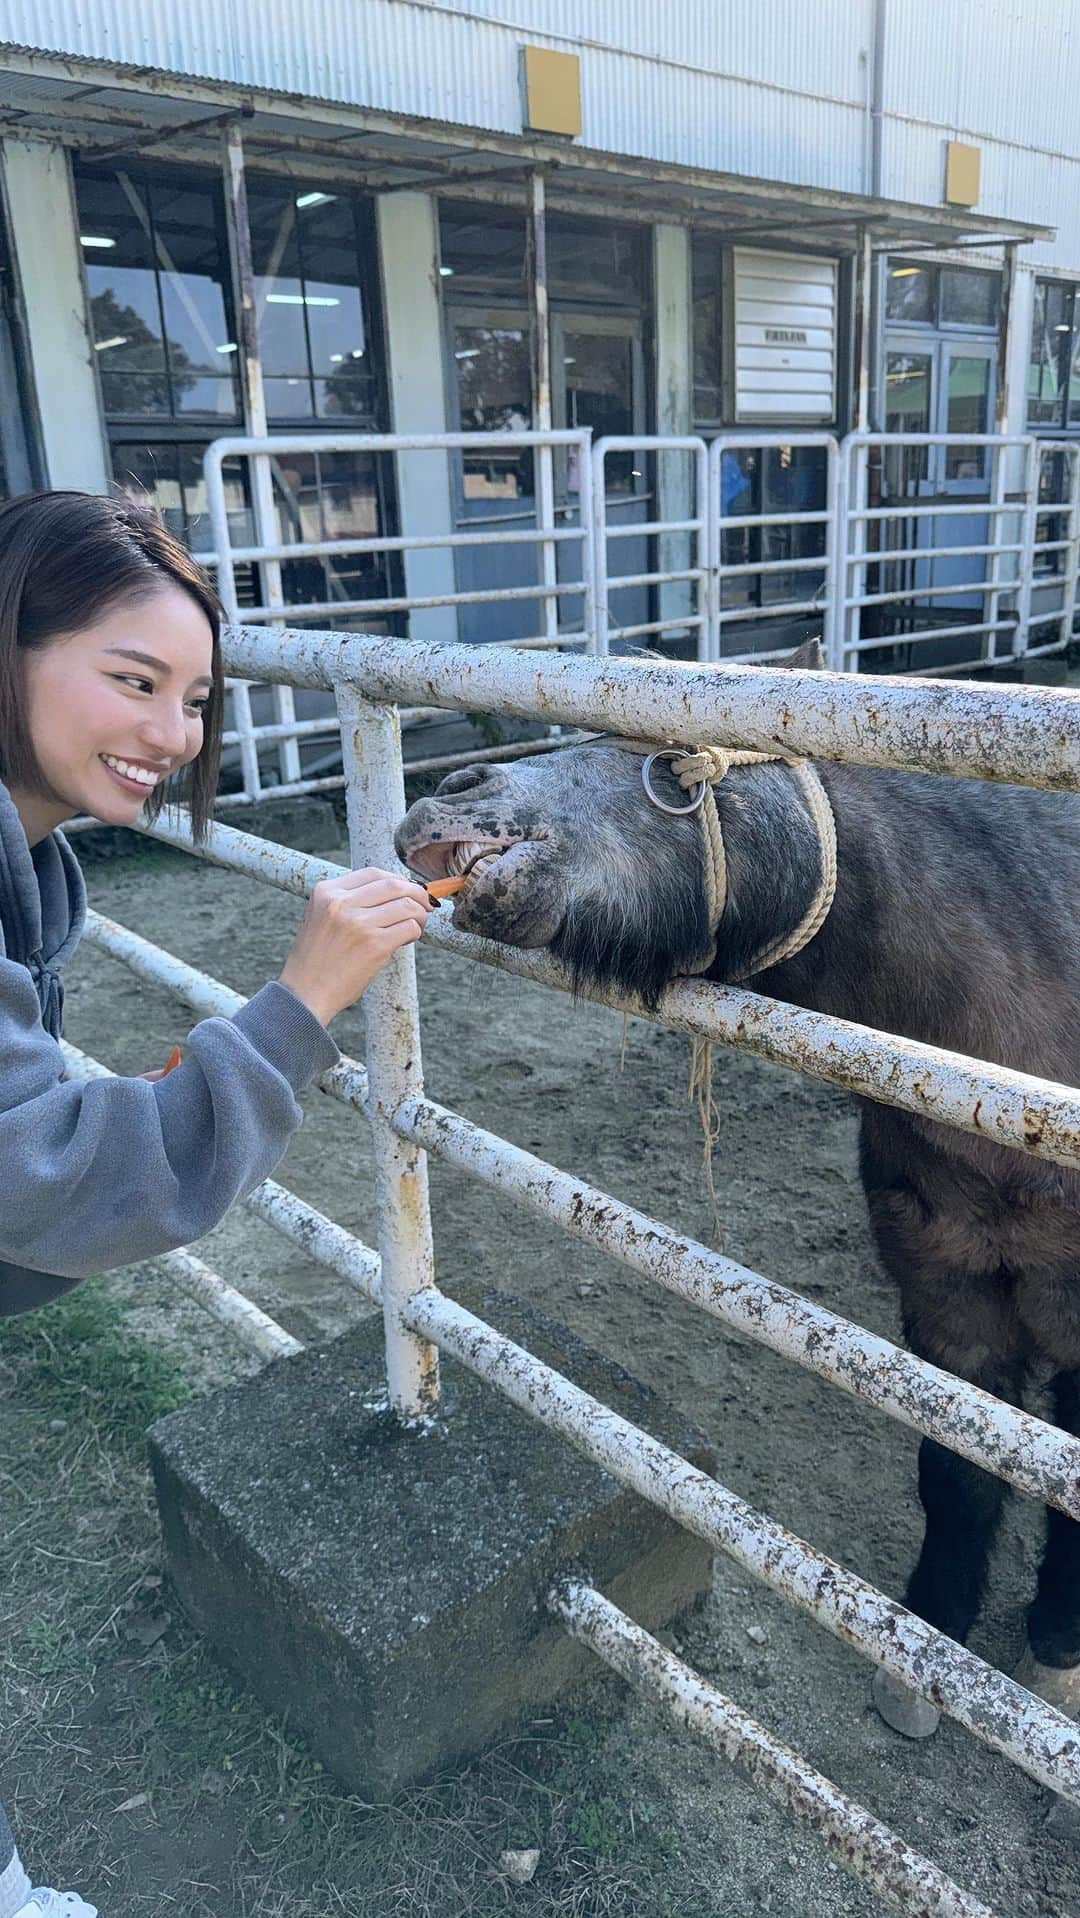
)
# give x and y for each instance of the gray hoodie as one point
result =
(99, 1175)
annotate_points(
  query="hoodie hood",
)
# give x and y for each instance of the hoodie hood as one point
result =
(42, 907)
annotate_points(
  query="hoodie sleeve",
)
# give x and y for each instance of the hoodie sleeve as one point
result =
(103, 1174)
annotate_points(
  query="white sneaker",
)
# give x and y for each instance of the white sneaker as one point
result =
(45, 1903)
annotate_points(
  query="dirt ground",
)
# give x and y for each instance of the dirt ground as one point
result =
(546, 1074)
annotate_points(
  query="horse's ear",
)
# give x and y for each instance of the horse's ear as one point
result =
(807, 658)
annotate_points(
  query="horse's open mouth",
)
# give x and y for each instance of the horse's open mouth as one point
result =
(444, 858)
(513, 889)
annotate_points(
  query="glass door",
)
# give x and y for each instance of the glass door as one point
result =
(598, 381)
(491, 378)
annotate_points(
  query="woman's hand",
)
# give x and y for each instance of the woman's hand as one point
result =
(351, 927)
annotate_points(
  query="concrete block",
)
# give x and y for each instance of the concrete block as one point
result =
(385, 1587)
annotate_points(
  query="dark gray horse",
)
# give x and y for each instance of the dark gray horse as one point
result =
(956, 921)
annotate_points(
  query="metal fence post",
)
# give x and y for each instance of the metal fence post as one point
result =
(375, 798)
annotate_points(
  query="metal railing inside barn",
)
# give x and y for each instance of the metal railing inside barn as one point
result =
(925, 552)
(1029, 736)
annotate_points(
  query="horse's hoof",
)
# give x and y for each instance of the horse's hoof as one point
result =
(1055, 1685)
(902, 1708)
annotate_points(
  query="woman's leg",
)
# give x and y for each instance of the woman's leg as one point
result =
(14, 1883)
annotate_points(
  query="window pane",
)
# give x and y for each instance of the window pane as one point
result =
(1074, 373)
(793, 480)
(969, 297)
(967, 400)
(331, 268)
(1050, 331)
(596, 260)
(193, 266)
(708, 402)
(115, 226)
(288, 399)
(907, 410)
(279, 291)
(494, 389)
(598, 369)
(344, 396)
(484, 246)
(133, 395)
(910, 292)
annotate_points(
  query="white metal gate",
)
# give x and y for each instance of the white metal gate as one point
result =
(735, 577)
(1035, 741)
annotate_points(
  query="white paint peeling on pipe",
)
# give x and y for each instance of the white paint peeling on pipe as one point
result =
(1023, 735)
(321, 1238)
(254, 1327)
(347, 1080)
(865, 1847)
(375, 800)
(1039, 1459)
(994, 1708)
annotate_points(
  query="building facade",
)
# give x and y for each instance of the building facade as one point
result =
(420, 216)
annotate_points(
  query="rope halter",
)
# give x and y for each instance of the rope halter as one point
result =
(698, 773)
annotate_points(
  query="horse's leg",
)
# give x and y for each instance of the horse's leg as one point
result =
(1051, 1662)
(964, 1326)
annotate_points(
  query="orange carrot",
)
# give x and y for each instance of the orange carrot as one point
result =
(445, 888)
(172, 1061)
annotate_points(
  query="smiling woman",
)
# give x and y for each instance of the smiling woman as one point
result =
(110, 703)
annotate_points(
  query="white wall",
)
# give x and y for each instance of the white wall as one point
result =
(45, 241)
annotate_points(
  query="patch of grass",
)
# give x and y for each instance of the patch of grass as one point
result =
(76, 1358)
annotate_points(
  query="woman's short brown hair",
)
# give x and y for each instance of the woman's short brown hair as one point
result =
(66, 559)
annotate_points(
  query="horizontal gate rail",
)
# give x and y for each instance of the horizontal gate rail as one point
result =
(1019, 735)
(994, 1708)
(862, 1844)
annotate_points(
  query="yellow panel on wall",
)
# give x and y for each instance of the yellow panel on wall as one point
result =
(961, 174)
(552, 91)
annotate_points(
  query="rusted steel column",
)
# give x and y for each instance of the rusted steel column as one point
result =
(995, 1708)
(865, 1847)
(1038, 1458)
(375, 798)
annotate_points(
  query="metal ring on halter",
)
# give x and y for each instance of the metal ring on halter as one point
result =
(696, 802)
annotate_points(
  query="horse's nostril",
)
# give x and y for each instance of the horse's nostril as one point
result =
(469, 779)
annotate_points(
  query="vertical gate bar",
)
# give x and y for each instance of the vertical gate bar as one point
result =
(600, 554)
(586, 518)
(1027, 555)
(254, 405)
(1072, 556)
(375, 800)
(991, 599)
(702, 549)
(834, 507)
(854, 572)
(709, 645)
(545, 463)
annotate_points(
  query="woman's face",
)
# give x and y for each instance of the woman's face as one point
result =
(117, 707)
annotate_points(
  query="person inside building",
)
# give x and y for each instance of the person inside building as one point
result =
(111, 696)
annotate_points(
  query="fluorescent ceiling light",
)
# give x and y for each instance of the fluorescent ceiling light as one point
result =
(229, 347)
(904, 272)
(446, 272)
(95, 239)
(300, 299)
(314, 199)
(118, 339)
